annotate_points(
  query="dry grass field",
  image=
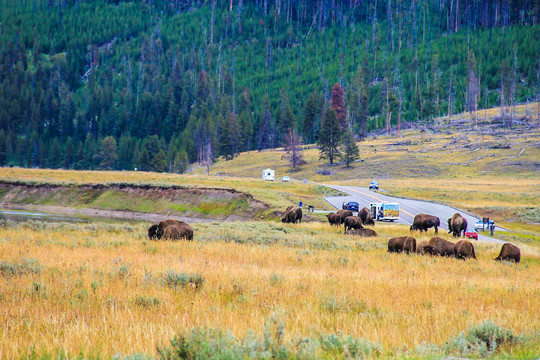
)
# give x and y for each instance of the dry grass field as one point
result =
(262, 289)
(102, 290)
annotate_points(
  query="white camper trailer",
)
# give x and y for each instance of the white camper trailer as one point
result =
(268, 174)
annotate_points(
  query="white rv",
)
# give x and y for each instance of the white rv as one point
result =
(268, 174)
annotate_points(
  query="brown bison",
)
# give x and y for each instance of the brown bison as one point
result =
(406, 244)
(441, 246)
(293, 214)
(464, 249)
(457, 224)
(365, 215)
(424, 248)
(509, 252)
(176, 232)
(343, 214)
(423, 222)
(364, 232)
(158, 231)
(353, 222)
(334, 219)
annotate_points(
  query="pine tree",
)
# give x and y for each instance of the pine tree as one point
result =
(69, 154)
(106, 155)
(338, 104)
(349, 149)
(264, 140)
(285, 117)
(312, 112)
(329, 136)
(180, 162)
(226, 141)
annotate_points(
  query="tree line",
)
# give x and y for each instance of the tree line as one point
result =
(157, 85)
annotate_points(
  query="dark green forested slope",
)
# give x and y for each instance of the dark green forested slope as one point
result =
(154, 84)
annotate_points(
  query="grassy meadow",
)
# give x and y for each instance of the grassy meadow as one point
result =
(102, 290)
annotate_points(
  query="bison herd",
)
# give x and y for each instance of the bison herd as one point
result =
(457, 225)
(354, 225)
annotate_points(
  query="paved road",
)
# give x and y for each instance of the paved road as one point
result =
(408, 208)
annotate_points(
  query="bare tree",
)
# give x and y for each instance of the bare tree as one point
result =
(294, 150)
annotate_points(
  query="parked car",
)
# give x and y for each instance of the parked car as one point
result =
(374, 185)
(351, 205)
(285, 179)
(471, 234)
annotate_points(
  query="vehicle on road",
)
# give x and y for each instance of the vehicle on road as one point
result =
(471, 234)
(268, 175)
(374, 185)
(384, 211)
(351, 205)
(483, 226)
(285, 179)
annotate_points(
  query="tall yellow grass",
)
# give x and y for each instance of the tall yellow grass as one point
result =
(96, 292)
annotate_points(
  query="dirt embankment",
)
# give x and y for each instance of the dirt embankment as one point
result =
(131, 201)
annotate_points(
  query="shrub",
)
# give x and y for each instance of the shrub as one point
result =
(483, 339)
(175, 280)
(146, 301)
(27, 266)
(214, 344)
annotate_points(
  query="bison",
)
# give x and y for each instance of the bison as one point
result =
(293, 214)
(364, 232)
(343, 214)
(353, 222)
(457, 224)
(402, 243)
(365, 215)
(463, 249)
(158, 231)
(423, 222)
(424, 248)
(509, 252)
(441, 246)
(334, 219)
(176, 232)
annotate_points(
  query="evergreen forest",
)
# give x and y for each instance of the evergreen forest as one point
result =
(159, 84)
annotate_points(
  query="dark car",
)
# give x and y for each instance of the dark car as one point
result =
(374, 185)
(351, 205)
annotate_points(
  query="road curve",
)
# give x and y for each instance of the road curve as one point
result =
(408, 208)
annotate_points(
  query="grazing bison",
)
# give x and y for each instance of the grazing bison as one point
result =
(364, 232)
(158, 231)
(353, 222)
(457, 224)
(334, 219)
(365, 215)
(343, 214)
(441, 246)
(154, 232)
(464, 249)
(293, 214)
(402, 243)
(410, 245)
(423, 222)
(424, 248)
(509, 252)
(176, 232)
